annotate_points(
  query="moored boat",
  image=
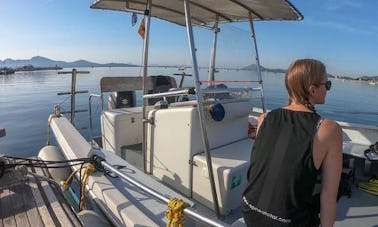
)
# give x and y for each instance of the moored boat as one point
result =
(195, 150)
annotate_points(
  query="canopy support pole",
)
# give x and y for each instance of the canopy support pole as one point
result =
(213, 53)
(257, 61)
(147, 20)
(197, 84)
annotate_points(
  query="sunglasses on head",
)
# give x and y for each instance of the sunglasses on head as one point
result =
(327, 84)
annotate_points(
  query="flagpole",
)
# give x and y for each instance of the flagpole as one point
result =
(145, 65)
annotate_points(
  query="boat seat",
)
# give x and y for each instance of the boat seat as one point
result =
(161, 84)
(218, 96)
(124, 89)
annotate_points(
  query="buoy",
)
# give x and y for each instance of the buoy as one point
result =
(52, 153)
(92, 218)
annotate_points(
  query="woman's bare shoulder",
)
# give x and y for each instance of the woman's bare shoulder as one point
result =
(329, 132)
(330, 126)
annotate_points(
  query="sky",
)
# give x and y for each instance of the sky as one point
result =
(341, 33)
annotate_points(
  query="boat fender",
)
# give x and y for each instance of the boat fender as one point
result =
(92, 218)
(217, 112)
(52, 153)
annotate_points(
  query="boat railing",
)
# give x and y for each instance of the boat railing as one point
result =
(172, 93)
(90, 114)
(188, 211)
(73, 92)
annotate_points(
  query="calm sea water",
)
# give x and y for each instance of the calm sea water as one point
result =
(27, 99)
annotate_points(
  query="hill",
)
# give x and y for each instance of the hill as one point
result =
(253, 67)
(39, 61)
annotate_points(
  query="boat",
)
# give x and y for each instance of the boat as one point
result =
(372, 82)
(7, 71)
(175, 160)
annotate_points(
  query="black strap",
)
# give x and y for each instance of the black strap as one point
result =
(46, 200)
(275, 166)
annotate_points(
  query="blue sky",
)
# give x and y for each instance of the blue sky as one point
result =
(341, 33)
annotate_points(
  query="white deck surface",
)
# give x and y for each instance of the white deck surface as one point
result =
(360, 210)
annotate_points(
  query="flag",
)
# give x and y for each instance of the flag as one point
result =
(134, 19)
(141, 29)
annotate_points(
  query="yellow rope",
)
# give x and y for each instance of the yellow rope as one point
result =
(175, 212)
(87, 171)
(67, 183)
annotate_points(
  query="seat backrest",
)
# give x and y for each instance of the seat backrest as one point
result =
(110, 84)
(154, 84)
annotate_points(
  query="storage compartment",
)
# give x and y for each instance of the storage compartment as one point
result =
(230, 165)
(121, 127)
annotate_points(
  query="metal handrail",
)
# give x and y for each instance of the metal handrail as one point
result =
(170, 93)
(188, 211)
(73, 91)
(222, 90)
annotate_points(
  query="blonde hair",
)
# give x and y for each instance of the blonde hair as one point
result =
(300, 75)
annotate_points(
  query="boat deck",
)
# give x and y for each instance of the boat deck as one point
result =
(27, 200)
(361, 209)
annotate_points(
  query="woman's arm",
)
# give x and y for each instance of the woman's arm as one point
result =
(330, 138)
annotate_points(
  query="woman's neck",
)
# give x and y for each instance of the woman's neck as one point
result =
(295, 106)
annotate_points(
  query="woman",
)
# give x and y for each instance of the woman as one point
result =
(293, 146)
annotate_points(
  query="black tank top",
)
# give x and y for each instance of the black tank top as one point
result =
(282, 175)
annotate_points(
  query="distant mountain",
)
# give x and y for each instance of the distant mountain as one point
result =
(253, 67)
(39, 61)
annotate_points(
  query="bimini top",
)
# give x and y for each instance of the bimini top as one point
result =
(205, 12)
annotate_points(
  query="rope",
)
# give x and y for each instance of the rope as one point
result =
(175, 212)
(83, 181)
(16, 161)
(67, 183)
(10, 162)
(87, 171)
